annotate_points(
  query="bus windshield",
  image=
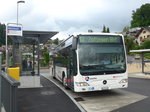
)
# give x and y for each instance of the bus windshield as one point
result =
(101, 59)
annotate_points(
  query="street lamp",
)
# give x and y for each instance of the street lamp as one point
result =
(21, 1)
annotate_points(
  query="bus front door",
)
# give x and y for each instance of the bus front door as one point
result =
(71, 69)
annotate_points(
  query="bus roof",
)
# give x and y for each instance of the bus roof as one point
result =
(96, 33)
(68, 41)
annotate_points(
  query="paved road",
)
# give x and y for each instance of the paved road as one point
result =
(102, 101)
(49, 98)
(139, 86)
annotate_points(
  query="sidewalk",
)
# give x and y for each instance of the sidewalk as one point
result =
(139, 75)
(135, 70)
(48, 98)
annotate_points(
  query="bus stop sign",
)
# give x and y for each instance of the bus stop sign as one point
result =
(14, 29)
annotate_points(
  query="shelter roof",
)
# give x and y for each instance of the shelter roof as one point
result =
(30, 37)
(141, 51)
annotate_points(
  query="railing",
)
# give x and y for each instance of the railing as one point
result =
(9, 88)
(0, 80)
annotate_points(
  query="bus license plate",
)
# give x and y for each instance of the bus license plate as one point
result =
(104, 88)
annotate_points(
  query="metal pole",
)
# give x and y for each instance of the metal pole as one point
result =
(143, 63)
(33, 72)
(21, 1)
(38, 56)
(17, 12)
(0, 80)
(6, 49)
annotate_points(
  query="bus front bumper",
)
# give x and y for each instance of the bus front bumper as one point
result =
(99, 87)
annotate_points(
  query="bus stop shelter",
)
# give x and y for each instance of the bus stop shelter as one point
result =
(26, 54)
(142, 52)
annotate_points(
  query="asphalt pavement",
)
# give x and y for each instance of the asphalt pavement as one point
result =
(48, 98)
(51, 98)
(139, 86)
(102, 101)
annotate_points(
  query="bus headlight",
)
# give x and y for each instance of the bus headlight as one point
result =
(124, 81)
(82, 84)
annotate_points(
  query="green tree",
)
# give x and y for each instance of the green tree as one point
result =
(129, 42)
(146, 44)
(104, 29)
(56, 41)
(126, 29)
(90, 31)
(141, 17)
(45, 55)
(2, 34)
(108, 31)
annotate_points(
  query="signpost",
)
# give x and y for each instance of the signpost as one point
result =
(12, 29)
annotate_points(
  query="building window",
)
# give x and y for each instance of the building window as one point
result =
(140, 38)
(144, 31)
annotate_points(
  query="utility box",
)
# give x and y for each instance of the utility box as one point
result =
(14, 73)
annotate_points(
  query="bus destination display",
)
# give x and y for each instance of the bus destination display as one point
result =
(100, 39)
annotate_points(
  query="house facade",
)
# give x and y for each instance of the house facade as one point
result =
(143, 35)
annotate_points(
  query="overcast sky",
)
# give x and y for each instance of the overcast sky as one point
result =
(69, 16)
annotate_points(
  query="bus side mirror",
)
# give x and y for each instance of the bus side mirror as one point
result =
(74, 43)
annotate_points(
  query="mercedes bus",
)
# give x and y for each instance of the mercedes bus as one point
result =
(91, 62)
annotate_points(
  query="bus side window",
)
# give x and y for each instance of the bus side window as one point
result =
(74, 61)
(61, 59)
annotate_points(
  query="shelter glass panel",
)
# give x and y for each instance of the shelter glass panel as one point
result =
(29, 60)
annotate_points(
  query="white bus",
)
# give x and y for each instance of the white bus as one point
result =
(91, 62)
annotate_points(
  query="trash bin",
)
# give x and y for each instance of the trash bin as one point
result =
(14, 73)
